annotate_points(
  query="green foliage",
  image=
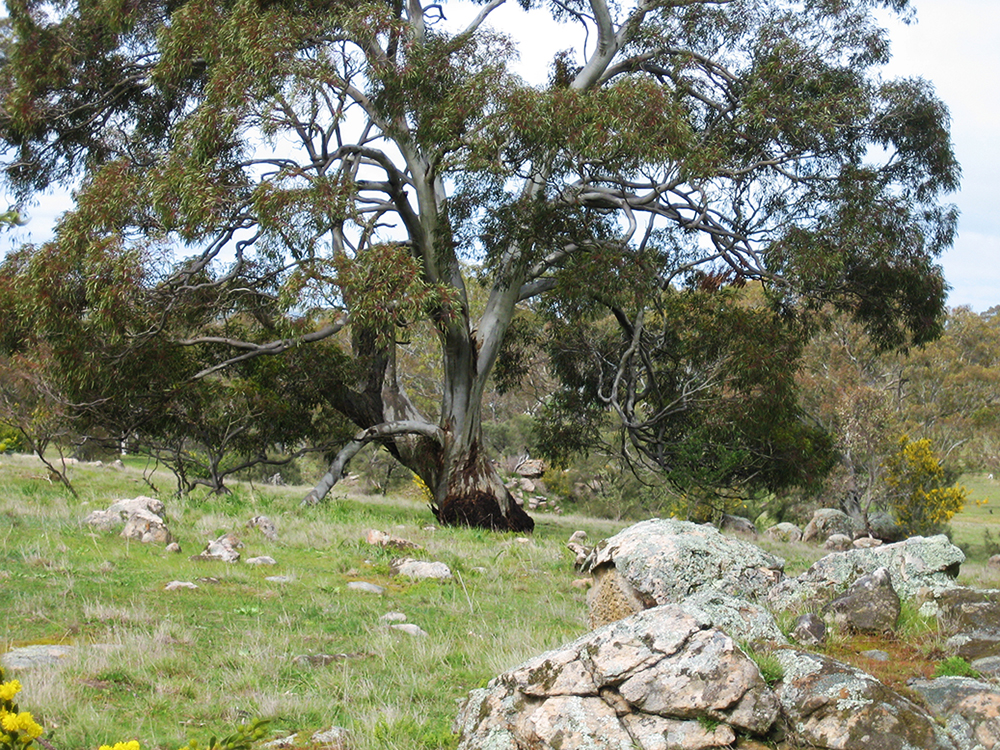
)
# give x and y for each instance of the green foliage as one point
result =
(919, 495)
(955, 666)
(767, 663)
(244, 738)
(11, 440)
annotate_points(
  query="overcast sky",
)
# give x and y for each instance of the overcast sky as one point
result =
(955, 44)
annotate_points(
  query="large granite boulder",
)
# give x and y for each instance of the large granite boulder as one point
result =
(829, 521)
(664, 560)
(970, 709)
(663, 678)
(920, 567)
(828, 704)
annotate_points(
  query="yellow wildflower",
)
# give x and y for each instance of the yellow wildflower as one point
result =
(23, 722)
(130, 745)
(9, 689)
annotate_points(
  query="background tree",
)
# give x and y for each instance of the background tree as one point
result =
(329, 165)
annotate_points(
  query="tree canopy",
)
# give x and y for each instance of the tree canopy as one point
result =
(326, 167)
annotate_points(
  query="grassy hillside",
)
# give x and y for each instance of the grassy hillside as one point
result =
(164, 666)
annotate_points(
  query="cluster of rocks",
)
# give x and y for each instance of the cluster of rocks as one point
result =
(528, 488)
(687, 653)
(140, 518)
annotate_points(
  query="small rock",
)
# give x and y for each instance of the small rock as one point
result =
(393, 617)
(173, 547)
(582, 583)
(265, 526)
(146, 527)
(409, 628)
(578, 537)
(222, 549)
(838, 542)
(174, 585)
(785, 532)
(737, 525)
(994, 561)
(419, 569)
(809, 630)
(262, 560)
(281, 742)
(334, 738)
(867, 542)
(875, 655)
(870, 605)
(369, 588)
(279, 579)
(384, 539)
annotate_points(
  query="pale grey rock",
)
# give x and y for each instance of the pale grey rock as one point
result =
(127, 507)
(867, 542)
(665, 560)
(838, 542)
(971, 709)
(409, 628)
(174, 585)
(261, 560)
(104, 520)
(173, 547)
(334, 738)
(643, 681)
(828, 521)
(282, 743)
(418, 569)
(366, 587)
(987, 665)
(279, 579)
(809, 630)
(223, 549)
(393, 617)
(974, 644)
(832, 705)
(875, 654)
(146, 527)
(870, 605)
(737, 525)
(265, 526)
(921, 566)
(785, 532)
(742, 620)
(30, 657)
(578, 537)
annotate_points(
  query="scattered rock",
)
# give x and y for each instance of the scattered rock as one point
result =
(578, 537)
(174, 585)
(867, 542)
(533, 468)
(785, 532)
(737, 525)
(29, 657)
(838, 542)
(334, 738)
(282, 742)
(987, 665)
(994, 561)
(384, 539)
(126, 508)
(261, 560)
(173, 547)
(265, 526)
(223, 549)
(324, 660)
(809, 630)
(828, 521)
(104, 520)
(875, 655)
(419, 569)
(146, 527)
(369, 588)
(409, 628)
(393, 617)
(582, 583)
(279, 579)
(870, 605)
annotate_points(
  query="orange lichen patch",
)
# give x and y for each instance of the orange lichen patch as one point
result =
(906, 659)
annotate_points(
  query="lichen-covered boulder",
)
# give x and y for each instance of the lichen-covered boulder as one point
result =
(784, 532)
(828, 704)
(664, 560)
(146, 527)
(870, 605)
(742, 620)
(919, 566)
(970, 708)
(663, 678)
(829, 521)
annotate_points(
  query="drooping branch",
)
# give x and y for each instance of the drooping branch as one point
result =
(349, 451)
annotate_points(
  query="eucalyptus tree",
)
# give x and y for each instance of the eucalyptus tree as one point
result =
(333, 162)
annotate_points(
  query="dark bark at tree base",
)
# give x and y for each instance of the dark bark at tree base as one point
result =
(481, 510)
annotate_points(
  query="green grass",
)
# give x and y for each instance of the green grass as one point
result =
(165, 666)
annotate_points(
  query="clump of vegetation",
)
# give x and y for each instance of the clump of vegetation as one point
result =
(767, 663)
(919, 493)
(955, 666)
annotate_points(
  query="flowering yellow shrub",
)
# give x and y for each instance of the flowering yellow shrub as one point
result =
(19, 728)
(918, 496)
(130, 745)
